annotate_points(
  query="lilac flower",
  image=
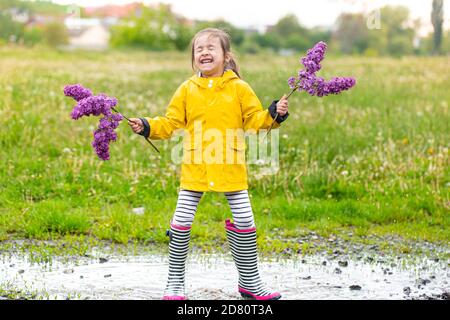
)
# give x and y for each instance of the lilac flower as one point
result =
(93, 105)
(292, 82)
(101, 104)
(77, 91)
(105, 134)
(308, 81)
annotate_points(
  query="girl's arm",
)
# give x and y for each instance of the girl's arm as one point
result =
(175, 118)
(253, 115)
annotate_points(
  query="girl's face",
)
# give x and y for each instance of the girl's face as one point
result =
(208, 56)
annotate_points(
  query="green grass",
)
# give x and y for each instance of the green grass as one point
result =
(374, 160)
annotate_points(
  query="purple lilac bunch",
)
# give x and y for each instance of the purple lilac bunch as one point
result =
(308, 81)
(87, 105)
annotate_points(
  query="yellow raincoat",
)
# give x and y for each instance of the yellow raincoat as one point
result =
(205, 108)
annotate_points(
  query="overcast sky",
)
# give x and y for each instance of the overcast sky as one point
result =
(260, 13)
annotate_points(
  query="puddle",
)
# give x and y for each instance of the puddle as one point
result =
(215, 277)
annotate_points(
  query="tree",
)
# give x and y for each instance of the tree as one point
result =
(55, 34)
(155, 29)
(394, 37)
(267, 40)
(437, 18)
(399, 35)
(287, 26)
(10, 30)
(290, 34)
(237, 35)
(351, 33)
(32, 36)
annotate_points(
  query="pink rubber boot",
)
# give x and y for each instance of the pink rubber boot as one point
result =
(178, 251)
(243, 249)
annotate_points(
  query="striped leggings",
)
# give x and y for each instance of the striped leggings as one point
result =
(238, 201)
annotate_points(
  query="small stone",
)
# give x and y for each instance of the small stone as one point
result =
(138, 211)
(307, 278)
(12, 265)
(423, 281)
(337, 271)
(355, 287)
(81, 277)
(324, 263)
(407, 290)
(445, 296)
(303, 261)
(68, 271)
(20, 271)
(107, 275)
(343, 263)
(103, 260)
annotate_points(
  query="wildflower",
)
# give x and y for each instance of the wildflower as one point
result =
(77, 91)
(101, 104)
(309, 82)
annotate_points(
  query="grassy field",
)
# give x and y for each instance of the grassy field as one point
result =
(372, 161)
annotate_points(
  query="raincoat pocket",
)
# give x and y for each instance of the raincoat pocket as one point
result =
(235, 168)
(192, 169)
(192, 154)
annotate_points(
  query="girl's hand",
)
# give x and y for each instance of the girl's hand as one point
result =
(136, 125)
(282, 106)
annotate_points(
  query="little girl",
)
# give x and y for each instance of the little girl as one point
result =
(215, 100)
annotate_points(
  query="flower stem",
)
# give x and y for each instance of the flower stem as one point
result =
(133, 121)
(292, 91)
(276, 116)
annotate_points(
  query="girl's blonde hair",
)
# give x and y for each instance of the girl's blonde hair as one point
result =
(225, 42)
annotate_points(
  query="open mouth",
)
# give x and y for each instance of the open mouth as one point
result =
(206, 60)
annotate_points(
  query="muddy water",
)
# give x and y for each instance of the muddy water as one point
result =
(215, 277)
